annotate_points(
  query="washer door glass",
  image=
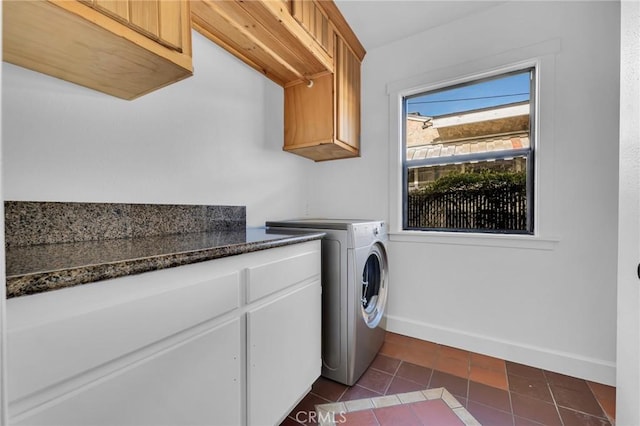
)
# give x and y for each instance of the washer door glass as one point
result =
(374, 286)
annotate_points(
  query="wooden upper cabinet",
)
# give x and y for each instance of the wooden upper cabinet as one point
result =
(322, 122)
(125, 48)
(307, 47)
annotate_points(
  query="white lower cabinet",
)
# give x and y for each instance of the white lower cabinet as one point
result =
(232, 341)
(283, 353)
(196, 382)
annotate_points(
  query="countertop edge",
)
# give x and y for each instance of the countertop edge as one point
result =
(39, 282)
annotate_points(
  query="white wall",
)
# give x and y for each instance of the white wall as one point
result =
(628, 355)
(214, 138)
(553, 308)
(3, 291)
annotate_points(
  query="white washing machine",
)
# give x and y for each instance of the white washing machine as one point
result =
(354, 292)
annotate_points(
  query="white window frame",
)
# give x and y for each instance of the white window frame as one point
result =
(542, 57)
(470, 158)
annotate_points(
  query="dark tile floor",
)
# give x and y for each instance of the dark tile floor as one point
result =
(494, 391)
(429, 407)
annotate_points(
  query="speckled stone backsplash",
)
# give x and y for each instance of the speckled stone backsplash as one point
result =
(33, 222)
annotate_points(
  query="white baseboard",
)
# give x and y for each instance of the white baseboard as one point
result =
(571, 364)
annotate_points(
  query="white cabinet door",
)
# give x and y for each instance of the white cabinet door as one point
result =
(283, 353)
(196, 382)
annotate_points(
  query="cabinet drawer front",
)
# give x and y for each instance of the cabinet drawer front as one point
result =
(73, 341)
(268, 278)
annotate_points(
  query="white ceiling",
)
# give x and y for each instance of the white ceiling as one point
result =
(378, 22)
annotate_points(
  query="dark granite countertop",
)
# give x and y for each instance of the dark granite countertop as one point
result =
(39, 268)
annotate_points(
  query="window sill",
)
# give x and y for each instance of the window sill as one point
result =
(530, 242)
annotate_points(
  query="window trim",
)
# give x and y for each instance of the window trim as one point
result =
(542, 58)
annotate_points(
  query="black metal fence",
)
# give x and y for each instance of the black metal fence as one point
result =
(488, 209)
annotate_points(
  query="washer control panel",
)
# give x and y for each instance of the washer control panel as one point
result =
(367, 232)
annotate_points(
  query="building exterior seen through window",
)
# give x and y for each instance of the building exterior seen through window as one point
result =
(469, 156)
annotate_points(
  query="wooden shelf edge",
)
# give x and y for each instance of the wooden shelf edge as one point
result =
(330, 150)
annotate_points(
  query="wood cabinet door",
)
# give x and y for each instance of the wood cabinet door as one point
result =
(115, 8)
(309, 113)
(347, 80)
(313, 19)
(171, 25)
(160, 20)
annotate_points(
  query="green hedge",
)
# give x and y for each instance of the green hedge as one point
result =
(474, 181)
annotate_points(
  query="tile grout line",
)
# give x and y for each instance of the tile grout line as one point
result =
(375, 418)
(513, 413)
(342, 393)
(468, 375)
(498, 409)
(395, 375)
(553, 397)
(369, 389)
(430, 378)
(606, 414)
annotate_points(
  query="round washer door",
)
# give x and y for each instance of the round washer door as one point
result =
(374, 286)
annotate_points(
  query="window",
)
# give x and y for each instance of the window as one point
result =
(468, 156)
